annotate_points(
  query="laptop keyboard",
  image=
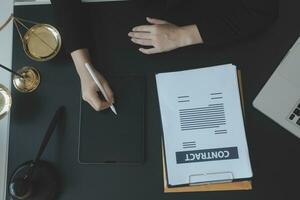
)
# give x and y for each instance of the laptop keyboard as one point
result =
(295, 115)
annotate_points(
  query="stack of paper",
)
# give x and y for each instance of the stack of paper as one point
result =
(203, 129)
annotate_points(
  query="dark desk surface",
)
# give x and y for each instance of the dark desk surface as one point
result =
(274, 151)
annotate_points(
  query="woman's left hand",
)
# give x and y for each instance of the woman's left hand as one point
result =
(163, 36)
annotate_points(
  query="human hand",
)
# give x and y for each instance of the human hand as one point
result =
(90, 90)
(88, 86)
(163, 36)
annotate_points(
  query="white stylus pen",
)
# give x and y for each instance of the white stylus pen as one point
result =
(92, 73)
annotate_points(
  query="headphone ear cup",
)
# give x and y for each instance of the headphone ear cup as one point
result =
(44, 183)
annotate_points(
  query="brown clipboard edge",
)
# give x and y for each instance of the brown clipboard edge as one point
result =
(231, 186)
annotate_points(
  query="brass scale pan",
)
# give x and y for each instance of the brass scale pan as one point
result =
(41, 42)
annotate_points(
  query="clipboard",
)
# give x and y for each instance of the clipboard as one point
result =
(226, 185)
(208, 187)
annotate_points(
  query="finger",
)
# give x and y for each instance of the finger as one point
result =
(105, 105)
(140, 35)
(156, 21)
(95, 101)
(91, 104)
(142, 42)
(143, 28)
(109, 92)
(149, 51)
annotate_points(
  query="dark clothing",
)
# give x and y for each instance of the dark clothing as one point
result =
(218, 21)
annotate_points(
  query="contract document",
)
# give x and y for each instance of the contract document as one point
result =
(204, 138)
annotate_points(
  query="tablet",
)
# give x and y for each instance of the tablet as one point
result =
(108, 138)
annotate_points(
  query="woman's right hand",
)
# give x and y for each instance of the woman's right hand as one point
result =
(89, 89)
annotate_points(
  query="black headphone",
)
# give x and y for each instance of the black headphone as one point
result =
(37, 179)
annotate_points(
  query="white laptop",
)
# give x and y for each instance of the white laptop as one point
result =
(280, 97)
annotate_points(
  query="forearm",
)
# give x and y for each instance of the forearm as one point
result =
(80, 57)
(89, 88)
(189, 35)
